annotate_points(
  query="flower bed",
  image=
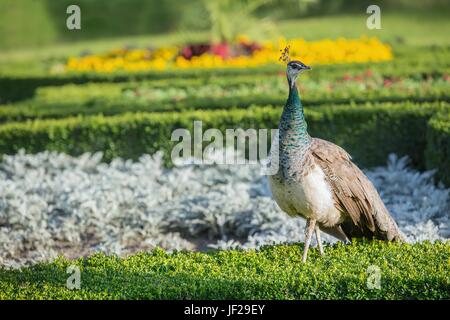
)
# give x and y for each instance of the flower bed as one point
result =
(410, 62)
(242, 54)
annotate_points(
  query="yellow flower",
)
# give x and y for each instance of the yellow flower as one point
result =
(325, 51)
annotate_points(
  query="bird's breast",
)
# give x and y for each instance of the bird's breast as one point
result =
(308, 195)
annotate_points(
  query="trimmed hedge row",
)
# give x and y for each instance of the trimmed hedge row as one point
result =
(110, 99)
(408, 62)
(418, 271)
(438, 145)
(399, 128)
(16, 88)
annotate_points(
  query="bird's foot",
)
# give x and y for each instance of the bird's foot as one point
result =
(310, 227)
(319, 241)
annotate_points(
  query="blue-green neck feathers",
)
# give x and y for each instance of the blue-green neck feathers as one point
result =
(293, 127)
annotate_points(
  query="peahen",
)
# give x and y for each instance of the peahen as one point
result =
(317, 180)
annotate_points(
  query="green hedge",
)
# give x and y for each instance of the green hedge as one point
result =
(418, 271)
(217, 93)
(368, 132)
(438, 145)
(15, 88)
(410, 61)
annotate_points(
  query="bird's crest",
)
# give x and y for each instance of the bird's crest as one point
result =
(285, 54)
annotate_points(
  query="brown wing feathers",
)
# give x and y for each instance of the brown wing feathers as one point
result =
(354, 194)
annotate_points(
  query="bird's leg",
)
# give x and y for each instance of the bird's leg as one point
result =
(310, 224)
(319, 241)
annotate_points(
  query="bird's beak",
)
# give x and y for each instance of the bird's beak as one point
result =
(307, 68)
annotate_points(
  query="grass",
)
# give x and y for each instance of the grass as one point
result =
(419, 271)
(409, 28)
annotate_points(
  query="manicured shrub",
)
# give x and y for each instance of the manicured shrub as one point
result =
(416, 62)
(18, 87)
(217, 93)
(438, 145)
(418, 271)
(368, 132)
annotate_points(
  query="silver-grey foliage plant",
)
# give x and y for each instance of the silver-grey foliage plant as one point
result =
(52, 203)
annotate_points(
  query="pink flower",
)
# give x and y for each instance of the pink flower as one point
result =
(221, 49)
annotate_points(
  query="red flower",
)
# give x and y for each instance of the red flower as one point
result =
(249, 47)
(194, 50)
(347, 77)
(221, 49)
(186, 52)
(387, 82)
(358, 79)
(368, 73)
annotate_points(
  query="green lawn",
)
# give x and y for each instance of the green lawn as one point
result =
(416, 29)
(419, 271)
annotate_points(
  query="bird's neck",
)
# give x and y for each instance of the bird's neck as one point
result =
(293, 129)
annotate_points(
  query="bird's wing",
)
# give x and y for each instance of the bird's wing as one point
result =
(354, 194)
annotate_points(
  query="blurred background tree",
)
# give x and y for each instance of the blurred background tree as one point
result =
(28, 23)
(227, 19)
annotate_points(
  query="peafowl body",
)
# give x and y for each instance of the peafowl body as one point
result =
(318, 181)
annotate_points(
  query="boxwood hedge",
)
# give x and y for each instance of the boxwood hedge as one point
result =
(408, 62)
(399, 128)
(418, 271)
(159, 96)
(438, 145)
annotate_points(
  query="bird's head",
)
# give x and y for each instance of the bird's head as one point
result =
(294, 68)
